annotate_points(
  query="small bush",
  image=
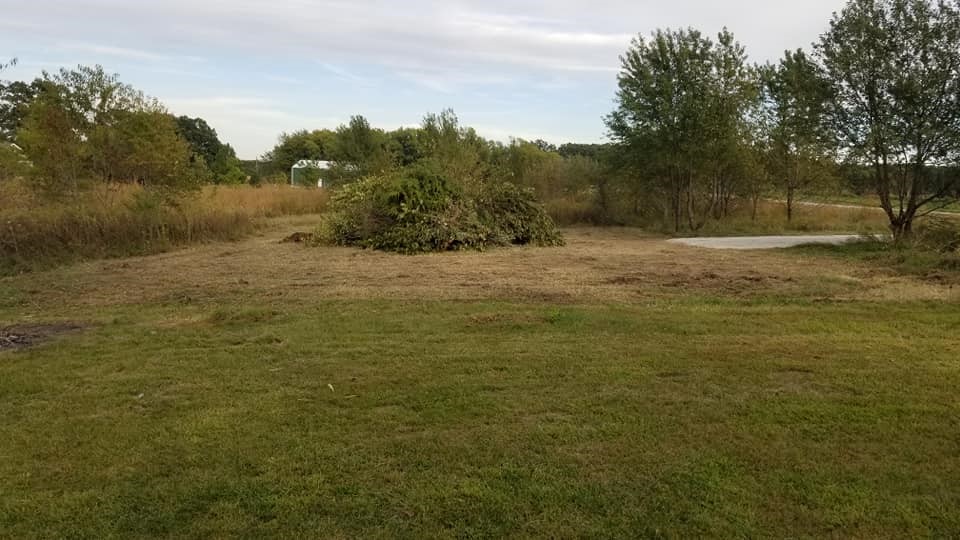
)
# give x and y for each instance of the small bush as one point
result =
(421, 210)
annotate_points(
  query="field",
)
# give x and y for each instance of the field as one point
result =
(619, 386)
(117, 220)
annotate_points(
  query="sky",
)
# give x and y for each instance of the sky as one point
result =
(533, 69)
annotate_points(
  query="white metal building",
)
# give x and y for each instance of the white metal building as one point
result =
(308, 164)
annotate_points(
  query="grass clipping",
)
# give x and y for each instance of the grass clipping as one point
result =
(420, 210)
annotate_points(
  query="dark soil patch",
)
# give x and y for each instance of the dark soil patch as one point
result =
(300, 238)
(22, 336)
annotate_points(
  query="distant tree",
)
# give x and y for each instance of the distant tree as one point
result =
(204, 143)
(303, 144)
(530, 165)
(15, 97)
(202, 138)
(800, 148)
(406, 146)
(360, 150)
(680, 118)
(86, 125)
(51, 139)
(95, 97)
(894, 69)
(144, 147)
(458, 151)
(594, 151)
(545, 146)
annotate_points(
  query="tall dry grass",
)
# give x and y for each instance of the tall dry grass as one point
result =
(771, 218)
(119, 220)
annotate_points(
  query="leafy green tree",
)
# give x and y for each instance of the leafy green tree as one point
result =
(796, 97)
(595, 151)
(680, 119)
(204, 143)
(460, 152)
(303, 144)
(51, 140)
(15, 97)
(86, 125)
(360, 150)
(894, 69)
(96, 97)
(406, 146)
(532, 166)
(202, 138)
(149, 152)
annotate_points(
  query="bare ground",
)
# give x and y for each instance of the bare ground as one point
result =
(23, 336)
(597, 265)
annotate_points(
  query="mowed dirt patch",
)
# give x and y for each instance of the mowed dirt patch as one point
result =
(597, 265)
(22, 336)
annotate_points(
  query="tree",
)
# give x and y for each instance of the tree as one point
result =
(360, 150)
(205, 145)
(15, 97)
(406, 146)
(680, 118)
(795, 97)
(86, 125)
(460, 152)
(146, 149)
(530, 165)
(53, 144)
(303, 144)
(96, 97)
(594, 151)
(894, 70)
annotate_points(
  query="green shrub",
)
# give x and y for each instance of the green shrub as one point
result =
(420, 210)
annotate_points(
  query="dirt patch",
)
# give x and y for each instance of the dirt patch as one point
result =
(300, 238)
(20, 337)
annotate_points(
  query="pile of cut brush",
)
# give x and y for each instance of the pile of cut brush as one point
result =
(420, 210)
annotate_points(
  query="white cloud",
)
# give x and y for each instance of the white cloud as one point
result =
(125, 53)
(548, 66)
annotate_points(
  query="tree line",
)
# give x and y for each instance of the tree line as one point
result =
(698, 129)
(83, 125)
(358, 150)
(697, 125)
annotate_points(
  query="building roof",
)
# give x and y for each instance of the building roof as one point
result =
(312, 164)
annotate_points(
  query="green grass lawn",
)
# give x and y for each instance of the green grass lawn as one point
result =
(242, 414)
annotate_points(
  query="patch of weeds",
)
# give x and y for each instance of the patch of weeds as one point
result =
(228, 316)
(10, 297)
(564, 317)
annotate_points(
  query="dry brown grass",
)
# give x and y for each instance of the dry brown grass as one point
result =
(772, 219)
(111, 220)
(597, 265)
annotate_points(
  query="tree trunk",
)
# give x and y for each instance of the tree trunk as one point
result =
(790, 203)
(902, 229)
